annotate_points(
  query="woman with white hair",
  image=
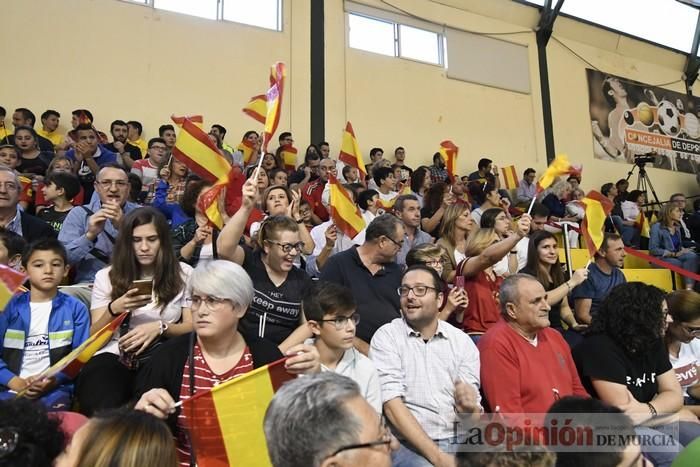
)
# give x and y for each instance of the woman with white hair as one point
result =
(556, 202)
(215, 352)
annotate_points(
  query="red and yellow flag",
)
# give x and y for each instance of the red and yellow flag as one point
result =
(345, 214)
(642, 223)
(274, 102)
(449, 152)
(10, 281)
(559, 166)
(256, 108)
(598, 208)
(247, 148)
(289, 157)
(389, 205)
(510, 177)
(350, 151)
(225, 424)
(194, 149)
(196, 119)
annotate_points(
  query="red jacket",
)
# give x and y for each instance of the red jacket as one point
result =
(312, 192)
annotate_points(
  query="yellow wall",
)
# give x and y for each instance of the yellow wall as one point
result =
(127, 61)
(132, 62)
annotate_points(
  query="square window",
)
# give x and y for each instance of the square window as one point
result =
(262, 13)
(419, 44)
(372, 35)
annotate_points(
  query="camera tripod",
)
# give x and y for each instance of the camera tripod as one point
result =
(643, 181)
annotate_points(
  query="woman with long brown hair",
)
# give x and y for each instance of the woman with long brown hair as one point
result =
(683, 346)
(143, 251)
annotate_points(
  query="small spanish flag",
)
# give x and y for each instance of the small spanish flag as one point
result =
(274, 101)
(389, 205)
(598, 208)
(10, 281)
(642, 223)
(559, 166)
(510, 177)
(289, 157)
(350, 151)
(449, 152)
(196, 119)
(345, 214)
(256, 108)
(247, 148)
(225, 424)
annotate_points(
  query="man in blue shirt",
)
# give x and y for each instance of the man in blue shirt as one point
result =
(603, 276)
(89, 231)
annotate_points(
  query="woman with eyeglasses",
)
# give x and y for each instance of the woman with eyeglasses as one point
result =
(623, 362)
(483, 250)
(683, 344)
(158, 309)
(275, 313)
(217, 351)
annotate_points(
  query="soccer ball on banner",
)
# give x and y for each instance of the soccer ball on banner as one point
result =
(669, 118)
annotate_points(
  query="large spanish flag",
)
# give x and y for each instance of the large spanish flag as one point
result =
(598, 208)
(559, 166)
(10, 281)
(350, 151)
(289, 157)
(449, 153)
(256, 108)
(70, 365)
(510, 177)
(225, 424)
(345, 214)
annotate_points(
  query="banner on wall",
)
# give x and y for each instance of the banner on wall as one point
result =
(631, 119)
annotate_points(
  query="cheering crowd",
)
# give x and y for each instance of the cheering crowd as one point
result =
(449, 305)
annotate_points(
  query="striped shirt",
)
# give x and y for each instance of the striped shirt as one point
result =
(204, 378)
(423, 374)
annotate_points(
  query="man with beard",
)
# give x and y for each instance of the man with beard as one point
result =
(407, 209)
(428, 371)
(438, 172)
(126, 152)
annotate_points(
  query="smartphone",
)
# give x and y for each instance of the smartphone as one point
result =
(145, 286)
(459, 282)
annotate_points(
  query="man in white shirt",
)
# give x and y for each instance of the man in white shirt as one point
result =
(428, 370)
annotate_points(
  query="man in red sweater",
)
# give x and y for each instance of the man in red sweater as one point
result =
(525, 365)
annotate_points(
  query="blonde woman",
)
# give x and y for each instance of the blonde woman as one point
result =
(665, 242)
(456, 225)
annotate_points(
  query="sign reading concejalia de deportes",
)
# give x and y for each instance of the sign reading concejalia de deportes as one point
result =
(630, 119)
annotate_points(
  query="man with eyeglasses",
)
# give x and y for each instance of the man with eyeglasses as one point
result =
(323, 420)
(371, 272)
(13, 218)
(88, 156)
(428, 371)
(89, 231)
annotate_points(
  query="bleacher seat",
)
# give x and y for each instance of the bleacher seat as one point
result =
(579, 257)
(632, 262)
(661, 278)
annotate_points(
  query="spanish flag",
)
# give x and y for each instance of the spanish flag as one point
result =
(225, 424)
(510, 177)
(560, 166)
(257, 108)
(449, 152)
(70, 365)
(194, 149)
(350, 151)
(196, 119)
(345, 214)
(289, 157)
(642, 223)
(247, 148)
(10, 281)
(598, 208)
(273, 98)
(389, 205)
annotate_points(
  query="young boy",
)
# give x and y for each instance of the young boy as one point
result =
(60, 188)
(11, 248)
(331, 316)
(9, 156)
(40, 327)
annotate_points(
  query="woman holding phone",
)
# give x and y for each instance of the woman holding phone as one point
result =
(146, 280)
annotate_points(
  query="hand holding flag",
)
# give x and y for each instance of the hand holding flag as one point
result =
(449, 152)
(560, 166)
(598, 207)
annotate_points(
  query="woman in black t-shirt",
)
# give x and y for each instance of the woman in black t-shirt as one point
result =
(275, 312)
(33, 162)
(624, 362)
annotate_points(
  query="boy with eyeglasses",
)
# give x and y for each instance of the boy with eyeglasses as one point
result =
(331, 315)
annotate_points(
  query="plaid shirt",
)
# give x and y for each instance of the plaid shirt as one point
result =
(438, 175)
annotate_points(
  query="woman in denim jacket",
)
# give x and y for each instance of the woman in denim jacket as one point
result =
(665, 242)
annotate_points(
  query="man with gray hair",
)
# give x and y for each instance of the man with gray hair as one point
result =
(522, 350)
(322, 420)
(13, 218)
(371, 272)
